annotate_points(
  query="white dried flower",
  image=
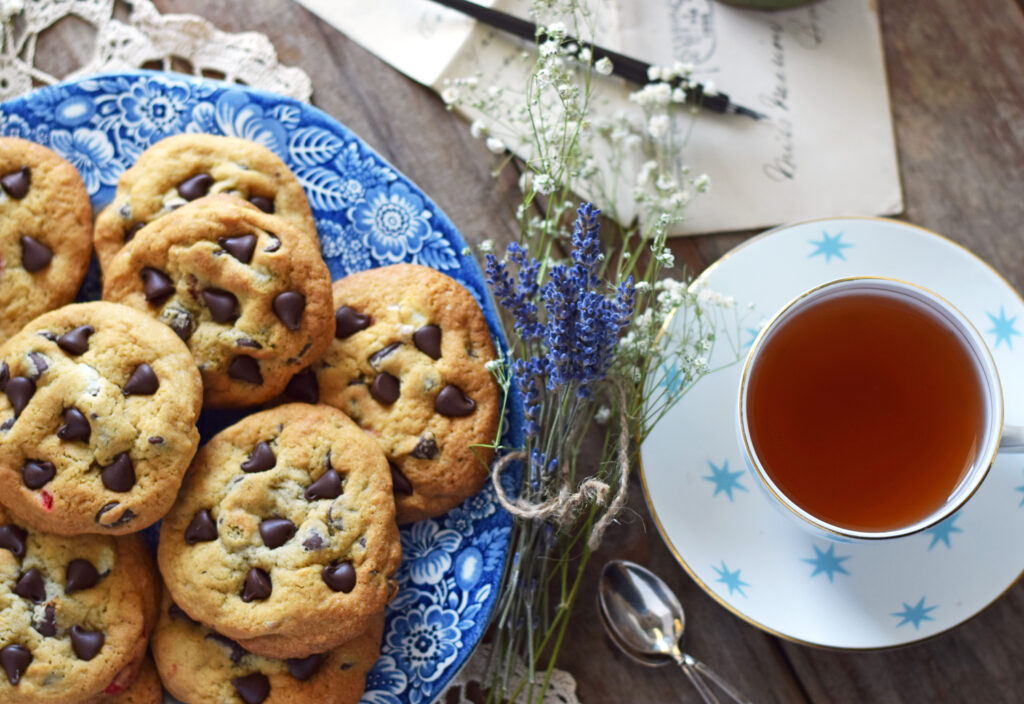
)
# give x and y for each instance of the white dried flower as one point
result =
(709, 88)
(658, 126)
(603, 66)
(450, 95)
(603, 415)
(477, 129)
(702, 183)
(544, 184)
(486, 246)
(495, 145)
(647, 170)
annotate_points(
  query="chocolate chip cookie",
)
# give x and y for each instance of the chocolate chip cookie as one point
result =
(408, 365)
(98, 410)
(201, 666)
(76, 613)
(145, 688)
(45, 232)
(283, 537)
(248, 293)
(185, 167)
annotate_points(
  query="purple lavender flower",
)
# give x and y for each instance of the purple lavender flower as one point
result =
(579, 324)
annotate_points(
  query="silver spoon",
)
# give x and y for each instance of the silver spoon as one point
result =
(646, 621)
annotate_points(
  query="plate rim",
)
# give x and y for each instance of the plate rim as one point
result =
(662, 532)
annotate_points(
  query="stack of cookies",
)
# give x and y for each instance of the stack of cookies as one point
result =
(367, 404)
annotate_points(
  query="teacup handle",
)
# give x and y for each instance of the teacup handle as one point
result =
(1012, 439)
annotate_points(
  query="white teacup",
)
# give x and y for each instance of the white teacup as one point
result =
(824, 298)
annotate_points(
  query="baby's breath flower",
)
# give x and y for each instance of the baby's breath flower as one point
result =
(495, 145)
(603, 66)
(658, 126)
(477, 129)
(702, 183)
(603, 415)
(450, 95)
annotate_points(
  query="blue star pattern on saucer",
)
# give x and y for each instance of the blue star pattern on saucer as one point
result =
(827, 562)
(941, 532)
(723, 479)
(829, 247)
(914, 614)
(1003, 328)
(731, 579)
(752, 332)
(673, 378)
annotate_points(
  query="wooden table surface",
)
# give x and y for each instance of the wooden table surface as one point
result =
(956, 76)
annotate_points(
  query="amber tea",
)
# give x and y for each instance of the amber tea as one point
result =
(866, 407)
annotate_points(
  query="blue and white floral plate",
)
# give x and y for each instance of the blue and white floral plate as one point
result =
(756, 561)
(367, 215)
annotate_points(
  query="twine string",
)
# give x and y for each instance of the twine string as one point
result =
(562, 508)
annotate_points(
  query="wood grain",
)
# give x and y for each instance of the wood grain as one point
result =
(956, 73)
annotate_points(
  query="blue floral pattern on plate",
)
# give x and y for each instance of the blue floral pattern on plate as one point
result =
(367, 215)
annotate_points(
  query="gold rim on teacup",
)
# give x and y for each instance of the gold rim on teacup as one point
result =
(993, 402)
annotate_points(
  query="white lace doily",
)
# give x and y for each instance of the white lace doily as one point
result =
(148, 39)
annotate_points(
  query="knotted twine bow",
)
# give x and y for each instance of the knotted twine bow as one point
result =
(564, 506)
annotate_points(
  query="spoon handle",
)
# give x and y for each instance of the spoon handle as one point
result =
(698, 682)
(690, 662)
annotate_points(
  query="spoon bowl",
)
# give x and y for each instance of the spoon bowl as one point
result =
(645, 620)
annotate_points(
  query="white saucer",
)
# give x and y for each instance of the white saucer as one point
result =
(759, 563)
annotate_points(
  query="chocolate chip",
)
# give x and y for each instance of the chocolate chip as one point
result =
(253, 689)
(131, 230)
(261, 459)
(264, 204)
(245, 368)
(156, 440)
(222, 304)
(48, 626)
(16, 183)
(86, 644)
(176, 612)
(328, 486)
(31, 586)
(202, 528)
(36, 473)
(156, 285)
(428, 341)
(119, 475)
(313, 542)
(75, 427)
(385, 388)
(246, 342)
(275, 243)
(5, 375)
(276, 531)
(76, 341)
(426, 448)
(195, 186)
(39, 362)
(19, 392)
(301, 354)
(288, 307)
(452, 402)
(13, 538)
(7, 424)
(237, 651)
(34, 254)
(340, 578)
(180, 321)
(348, 322)
(303, 387)
(399, 482)
(304, 668)
(127, 516)
(15, 660)
(80, 574)
(257, 585)
(377, 357)
(240, 247)
(142, 382)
